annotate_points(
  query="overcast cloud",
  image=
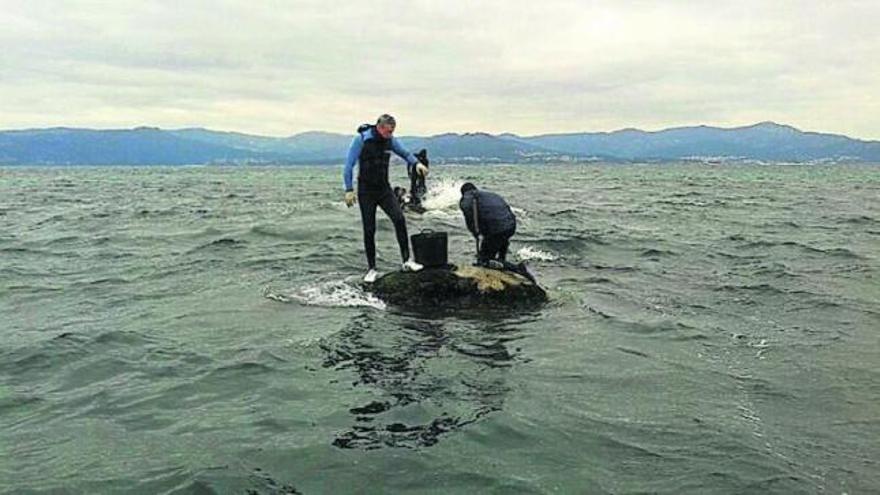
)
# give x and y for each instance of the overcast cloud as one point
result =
(281, 67)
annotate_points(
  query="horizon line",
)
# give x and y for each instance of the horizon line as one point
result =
(561, 133)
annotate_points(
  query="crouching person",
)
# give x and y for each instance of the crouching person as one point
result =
(488, 215)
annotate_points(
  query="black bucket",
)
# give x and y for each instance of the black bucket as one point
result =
(430, 248)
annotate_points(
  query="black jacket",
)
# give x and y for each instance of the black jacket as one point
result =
(493, 213)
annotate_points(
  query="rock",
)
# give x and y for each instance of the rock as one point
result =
(463, 287)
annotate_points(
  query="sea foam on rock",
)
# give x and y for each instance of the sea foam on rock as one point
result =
(457, 286)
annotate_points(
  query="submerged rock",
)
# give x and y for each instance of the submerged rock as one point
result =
(454, 286)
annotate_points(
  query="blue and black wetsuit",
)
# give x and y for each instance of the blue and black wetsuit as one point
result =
(373, 155)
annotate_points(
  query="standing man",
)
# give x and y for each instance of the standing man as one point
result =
(371, 149)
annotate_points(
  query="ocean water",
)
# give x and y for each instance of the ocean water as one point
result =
(202, 330)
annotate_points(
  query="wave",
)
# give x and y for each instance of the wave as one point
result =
(634, 352)
(859, 220)
(837, 252)
(332, 294)
(225, 241)
(240, 368)
(24, 250)
(270, 231)
(658, 326)
(776, 270)
(145, 212)
(620, 268)
(64, 239)
(51, 219)
(564, 212)
(222, 242)
(656, 253)
(765, 289)
(568, 238)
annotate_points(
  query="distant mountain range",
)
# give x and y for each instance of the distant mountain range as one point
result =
(764, 142)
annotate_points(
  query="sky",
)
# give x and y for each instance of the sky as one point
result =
(282, 67)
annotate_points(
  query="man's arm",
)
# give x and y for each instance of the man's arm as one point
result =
(402, 152)
(353, 153)
(467, 205)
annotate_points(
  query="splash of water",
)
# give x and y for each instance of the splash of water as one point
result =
(333, 294)
(443, 194)
(528, 253)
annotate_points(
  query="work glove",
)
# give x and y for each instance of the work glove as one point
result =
(421, 170)
(350, 199)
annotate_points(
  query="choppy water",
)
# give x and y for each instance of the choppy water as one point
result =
(200, 330)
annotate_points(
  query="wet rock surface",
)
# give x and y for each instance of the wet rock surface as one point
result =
(458, 286)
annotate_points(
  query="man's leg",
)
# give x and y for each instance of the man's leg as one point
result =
(413, 186)
(489, 247)
(391, 208)
(502, 249)
(502, 253)
(367, 202)
(421, 189)
(505, 243)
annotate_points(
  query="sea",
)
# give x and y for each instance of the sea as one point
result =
(711, 329)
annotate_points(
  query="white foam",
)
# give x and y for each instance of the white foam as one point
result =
(529, 253)
(333, 294)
